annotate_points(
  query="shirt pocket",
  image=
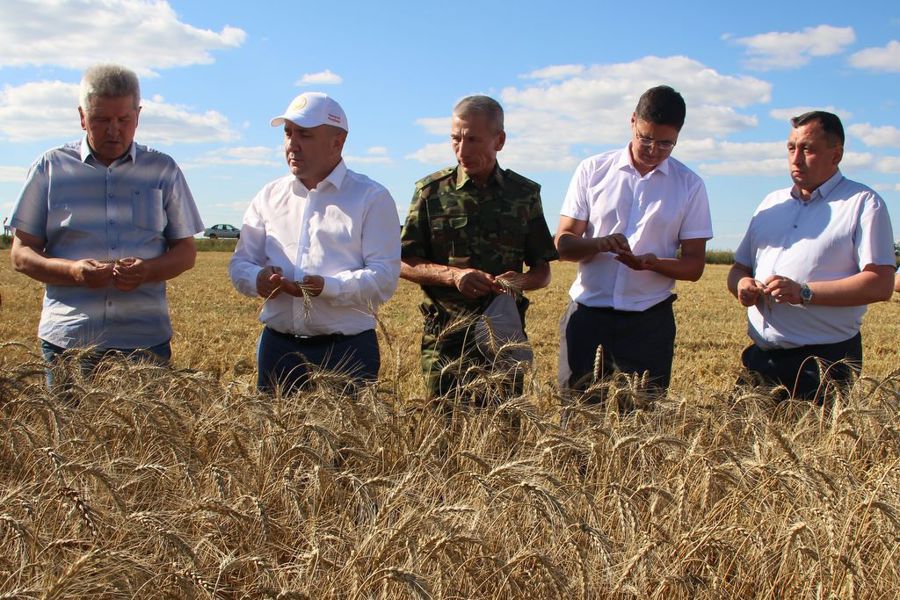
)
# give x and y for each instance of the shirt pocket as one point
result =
(449, 241)
(147, 211)
(60, 216)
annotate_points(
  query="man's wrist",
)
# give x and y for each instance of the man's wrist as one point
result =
(806, 294)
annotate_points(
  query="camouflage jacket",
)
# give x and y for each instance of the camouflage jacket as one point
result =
(495, 229)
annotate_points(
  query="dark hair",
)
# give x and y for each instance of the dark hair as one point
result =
(485, 105)
(661, 105)
(831, 125)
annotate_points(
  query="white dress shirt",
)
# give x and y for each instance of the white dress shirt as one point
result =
(346, 230)
(655, 212)
(840, 230)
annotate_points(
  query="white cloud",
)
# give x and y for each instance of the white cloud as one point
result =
(163, 123)
(878, 59)
(743, 168)
(555, 72)
(550, 120)
(857, 160)
(48, 110)
(435, 125)
(239, 156)
(39, 110)
(887, 136)
(433, 154)
(786, 114)
(888, 164)
(325, 77)
(707, 149)
(12, 174)
(886, 187)
(752, 158)
(144, 34)
(788, 50)
(376, 155)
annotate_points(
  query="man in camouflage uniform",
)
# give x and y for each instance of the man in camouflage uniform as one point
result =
(469, 230)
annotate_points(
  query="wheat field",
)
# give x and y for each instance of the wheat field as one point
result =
(184, 483)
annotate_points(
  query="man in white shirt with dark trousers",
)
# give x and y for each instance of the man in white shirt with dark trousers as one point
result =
(322, 246)
(636, 220)
(815, 254)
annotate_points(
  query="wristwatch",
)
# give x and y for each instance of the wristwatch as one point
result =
(806, 294)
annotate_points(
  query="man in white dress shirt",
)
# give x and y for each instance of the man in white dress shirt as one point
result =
(624, 218)
(814, 256)
(322, 247)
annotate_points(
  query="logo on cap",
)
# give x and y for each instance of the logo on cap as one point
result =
(334, 118)
(298, 104)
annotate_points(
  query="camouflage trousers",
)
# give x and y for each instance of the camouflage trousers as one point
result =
(455, 369)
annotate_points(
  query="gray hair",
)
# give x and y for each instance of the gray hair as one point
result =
(108, 81)
(485, 105)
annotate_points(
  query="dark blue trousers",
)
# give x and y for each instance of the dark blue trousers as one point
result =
(285, 360)
(798, 370)
(633, 342)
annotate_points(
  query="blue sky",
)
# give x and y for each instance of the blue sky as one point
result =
(568, 75)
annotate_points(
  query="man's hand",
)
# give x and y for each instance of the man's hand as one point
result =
(781, 289)
(129, 273)
(313, 284)
(513, 281)
(750, 291)
(616, 242)
(91, 273)
(270, 282)
(638, 262)
(473, 283)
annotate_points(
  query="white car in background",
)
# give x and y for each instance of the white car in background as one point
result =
(222, 231)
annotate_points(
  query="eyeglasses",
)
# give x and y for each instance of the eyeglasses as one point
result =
(648, 142)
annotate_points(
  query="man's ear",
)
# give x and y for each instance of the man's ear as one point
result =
(81, 116)
(501, 139)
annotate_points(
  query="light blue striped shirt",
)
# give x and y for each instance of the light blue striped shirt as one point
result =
(84, 209)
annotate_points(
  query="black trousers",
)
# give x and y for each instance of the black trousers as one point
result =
(798, 370)
(633, 342)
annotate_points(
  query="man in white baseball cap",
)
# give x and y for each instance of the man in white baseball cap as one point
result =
(322, 246)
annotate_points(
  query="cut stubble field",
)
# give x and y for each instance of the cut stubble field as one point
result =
(185, 483)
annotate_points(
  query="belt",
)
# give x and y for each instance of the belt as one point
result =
(615, 311)
(327, 338)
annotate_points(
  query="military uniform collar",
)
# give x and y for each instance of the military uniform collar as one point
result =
(462, 178)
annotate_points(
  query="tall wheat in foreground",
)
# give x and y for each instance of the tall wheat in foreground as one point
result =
(162, 484)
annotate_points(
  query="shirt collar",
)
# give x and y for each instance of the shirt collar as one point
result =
(86, 150)
(823, 190)
(336, 177)
(624, 162)
(462, 178)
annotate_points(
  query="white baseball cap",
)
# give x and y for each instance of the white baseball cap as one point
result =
(311, 109)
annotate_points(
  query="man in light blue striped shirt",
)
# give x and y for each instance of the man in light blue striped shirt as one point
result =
(104, 222)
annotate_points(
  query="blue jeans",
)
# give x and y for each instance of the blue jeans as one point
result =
(160, 354)
(285, 360)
